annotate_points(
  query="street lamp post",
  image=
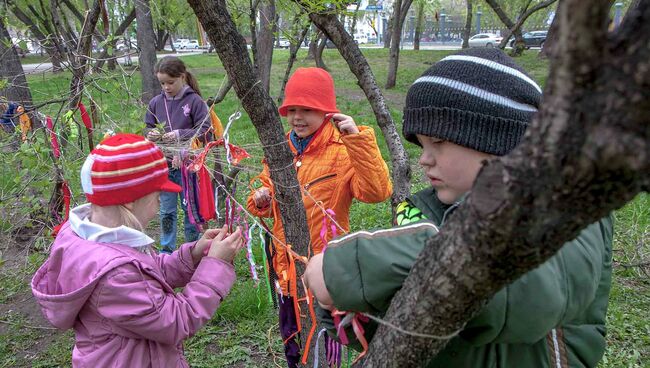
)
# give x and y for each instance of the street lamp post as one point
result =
(478, 19)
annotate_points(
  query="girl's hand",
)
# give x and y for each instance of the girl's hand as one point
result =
(226, 247)
(345, 124)
(176, 162)
(170, 137)
(153, 135)
(315, 281)
(262, 197)
(202, 245)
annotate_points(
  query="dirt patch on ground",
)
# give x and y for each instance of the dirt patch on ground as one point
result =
(20, 310)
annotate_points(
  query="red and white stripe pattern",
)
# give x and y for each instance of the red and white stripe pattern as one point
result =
(123, 168)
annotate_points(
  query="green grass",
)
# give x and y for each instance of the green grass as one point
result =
(244, 331)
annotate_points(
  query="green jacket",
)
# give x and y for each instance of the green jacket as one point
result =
(553, 316)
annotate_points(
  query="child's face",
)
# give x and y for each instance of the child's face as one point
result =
(146, 208)
(450, 168)
(304, 121)
(170, 85)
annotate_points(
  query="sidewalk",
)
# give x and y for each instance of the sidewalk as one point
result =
(47, 67)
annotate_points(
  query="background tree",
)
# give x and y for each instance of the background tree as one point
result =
(40, 25)
(514, 28)
(13, 84)
(468, 24)
(419, 23)
(147, 56)
(400, 9)
(591, 132)
(265, 38)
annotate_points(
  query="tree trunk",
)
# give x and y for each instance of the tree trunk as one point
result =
(265, 42)
(353, 28)
(147, 56)
(591, 132)
(11, 72)
(231, 48)
(418, 25)
(388, 36)
(551, 40)
(313, 44)
(401, 173)
(319, 52)
(393, 58)
(120, 30)
(468, 25)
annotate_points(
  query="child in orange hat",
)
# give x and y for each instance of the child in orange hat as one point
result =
(334, 162)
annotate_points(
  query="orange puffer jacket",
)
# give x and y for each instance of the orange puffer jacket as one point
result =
(334, 169)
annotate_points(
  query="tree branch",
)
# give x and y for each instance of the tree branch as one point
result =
(593, 140)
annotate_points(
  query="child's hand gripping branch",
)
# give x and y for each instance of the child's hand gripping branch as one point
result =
(216, 243)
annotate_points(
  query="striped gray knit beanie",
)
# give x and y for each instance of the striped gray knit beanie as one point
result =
(477, 98)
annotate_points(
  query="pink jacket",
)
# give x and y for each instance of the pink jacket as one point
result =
(121, 302)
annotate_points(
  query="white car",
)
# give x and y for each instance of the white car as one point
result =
(485, 40)
(180, 43)
(191, 44)
(284, 43)
(361, 38)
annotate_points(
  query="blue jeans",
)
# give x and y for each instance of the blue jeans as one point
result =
(168, 216)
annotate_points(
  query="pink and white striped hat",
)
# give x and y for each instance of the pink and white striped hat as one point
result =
(123, 168)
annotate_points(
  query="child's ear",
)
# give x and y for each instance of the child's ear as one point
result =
(129, 206)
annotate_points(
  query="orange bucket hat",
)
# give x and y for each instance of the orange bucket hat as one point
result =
(312, 88)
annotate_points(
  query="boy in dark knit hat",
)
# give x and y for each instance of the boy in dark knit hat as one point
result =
(336, 162)
(468, 108)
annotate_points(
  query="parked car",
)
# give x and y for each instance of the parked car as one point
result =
(191, 44)
(485, 40)
(361, 38)
(532, 39)
(180, 43)
(284, 43)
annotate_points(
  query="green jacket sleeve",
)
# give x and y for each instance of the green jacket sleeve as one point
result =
(364, 270)
(556, 292)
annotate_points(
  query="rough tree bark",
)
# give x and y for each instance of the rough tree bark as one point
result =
(401, 9)
(11, 72)
(468, 24)
(147, 46)
(591, 132)
(330, 25)
(265, 42)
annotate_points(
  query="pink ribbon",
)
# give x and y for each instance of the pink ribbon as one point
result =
(323, 229)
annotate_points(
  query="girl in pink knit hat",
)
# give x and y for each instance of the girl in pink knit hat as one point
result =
(103, 280)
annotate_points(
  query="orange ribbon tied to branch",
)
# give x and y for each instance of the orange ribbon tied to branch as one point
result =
(237, 154)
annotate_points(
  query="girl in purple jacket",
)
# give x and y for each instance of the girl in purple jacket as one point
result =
(103, 280)
(182, 114)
